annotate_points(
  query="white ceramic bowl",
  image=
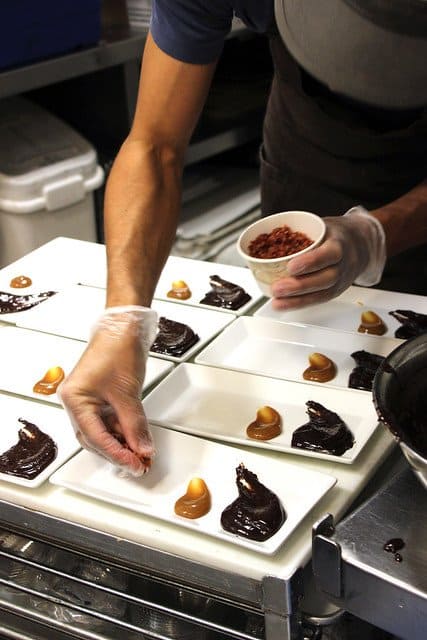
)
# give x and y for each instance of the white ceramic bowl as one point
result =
(269, 270)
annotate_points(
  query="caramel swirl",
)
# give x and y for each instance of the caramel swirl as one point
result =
(267, 425)
(196, 502)
(20, 282)
(50, 381)
(370, 322)
(321, 369)
(180, 290)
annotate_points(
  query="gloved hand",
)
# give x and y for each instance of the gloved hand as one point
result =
(353, 252)
(102, 395)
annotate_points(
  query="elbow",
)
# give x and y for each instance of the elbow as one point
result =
(162, 156)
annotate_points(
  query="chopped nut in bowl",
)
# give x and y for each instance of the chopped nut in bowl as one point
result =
(268, 244)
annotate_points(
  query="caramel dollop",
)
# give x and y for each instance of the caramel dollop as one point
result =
(370, 322)
(50, 381)
(180, 290)
(267, 424)
(321, 369)
(20, 282)
(196, 502)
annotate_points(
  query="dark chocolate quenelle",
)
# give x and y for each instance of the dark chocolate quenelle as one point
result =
(173, 338)
(257, 514)
(413, 324)
(325, 432)
(363, 373)
(225, 294)
(33, 452)
(12, 303)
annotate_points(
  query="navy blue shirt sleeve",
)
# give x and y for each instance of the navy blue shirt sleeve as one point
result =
(194, 30)
(191, 30)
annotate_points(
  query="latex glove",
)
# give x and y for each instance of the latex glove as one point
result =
(102, 395)
(353, 252)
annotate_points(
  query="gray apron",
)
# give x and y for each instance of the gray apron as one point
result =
(324, 154)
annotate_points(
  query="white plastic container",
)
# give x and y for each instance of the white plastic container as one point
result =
(47, 176)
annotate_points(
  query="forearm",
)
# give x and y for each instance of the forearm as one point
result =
(405, 220)
(141, 211)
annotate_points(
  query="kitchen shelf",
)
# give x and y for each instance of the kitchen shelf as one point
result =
(125, 50)
(114, 51)
(212, 143)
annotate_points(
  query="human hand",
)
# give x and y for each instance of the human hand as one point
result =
(102, 395)
(353, 252)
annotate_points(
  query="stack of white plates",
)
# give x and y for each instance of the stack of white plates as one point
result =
(139, 13)
(218, 203)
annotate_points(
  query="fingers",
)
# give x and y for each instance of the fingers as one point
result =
(303, 285)
(326, 255)
(94, 436)
(315, 277)
(131, 422)
(300, 301)
(124, 440)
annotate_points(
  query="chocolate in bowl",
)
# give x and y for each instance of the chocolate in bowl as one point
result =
(400, 399)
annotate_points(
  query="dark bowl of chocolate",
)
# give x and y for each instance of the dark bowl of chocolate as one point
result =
(400, 398)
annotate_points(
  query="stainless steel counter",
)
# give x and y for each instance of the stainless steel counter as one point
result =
(74, 566)
(353, 569)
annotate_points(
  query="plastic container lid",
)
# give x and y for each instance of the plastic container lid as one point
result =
(44, 163)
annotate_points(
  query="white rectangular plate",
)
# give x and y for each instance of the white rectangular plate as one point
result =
(52, 267)
(343, 313)
(219, 404)
(196, 274)
(263, 346)
(206, 323)
(27, 356)
(182, 457)
(73, 312)
(51, 420)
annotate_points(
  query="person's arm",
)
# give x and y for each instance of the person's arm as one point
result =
(405, 220)
(352, 243)
(102, 394)
(144, 189)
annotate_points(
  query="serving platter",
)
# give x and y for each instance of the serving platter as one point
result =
(343, 313)
(51, 420)
(180, 458)
(266, 347)
(219, 404)
(28, 355)
(73, 312)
